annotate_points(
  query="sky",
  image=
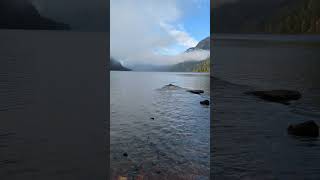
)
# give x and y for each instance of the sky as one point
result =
(158, 31)
(141, 31)
(92, 15)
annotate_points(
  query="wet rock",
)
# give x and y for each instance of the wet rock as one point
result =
(196, 91)
(309, 129)
(152, 118)
(170, 87)
(125, 154)
(280, 96)
(205, 102)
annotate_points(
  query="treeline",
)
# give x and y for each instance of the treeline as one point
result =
(272, 16)
(202, 66)
(190, 66)
(302, 17)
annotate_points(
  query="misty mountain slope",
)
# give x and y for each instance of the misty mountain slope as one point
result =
(194, 66)
(272, 16)
(191, 65)
(300, 17)
(20, 14)
(117, 66)
(187, 66)
(202, 66)
(202, 45)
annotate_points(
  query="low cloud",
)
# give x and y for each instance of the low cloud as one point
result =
(196, 55)
(189, 56)
(180, 35)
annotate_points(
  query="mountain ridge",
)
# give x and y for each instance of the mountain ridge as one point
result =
(117, 66)
(194, 66)
(202, 45)
(21, 14)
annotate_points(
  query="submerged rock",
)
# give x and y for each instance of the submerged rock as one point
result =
(309, 128)
(125, 154)
(280, 96)
(170, 87)
(196, 91)
(205, 102)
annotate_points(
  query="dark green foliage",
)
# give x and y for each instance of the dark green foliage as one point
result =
(186, 66)
(191, 66)
(301, 17)
(202, 66)
(272, 16)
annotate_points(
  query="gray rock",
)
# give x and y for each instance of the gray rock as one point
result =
(309, 128)
(205, 102)
(170, 87)
(196, 91)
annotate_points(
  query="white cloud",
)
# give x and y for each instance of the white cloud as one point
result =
(190, 56)
(141, 28)
(180, 35)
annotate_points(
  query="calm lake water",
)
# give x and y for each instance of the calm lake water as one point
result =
(250, 137)
(175, 144)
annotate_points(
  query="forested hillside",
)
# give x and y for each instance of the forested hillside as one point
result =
(203, 66)
(272, 16)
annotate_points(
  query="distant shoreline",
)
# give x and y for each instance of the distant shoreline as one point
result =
(164, 72)
(269, 37)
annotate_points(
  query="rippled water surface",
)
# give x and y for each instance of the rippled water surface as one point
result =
(157, 131)
(250, 139)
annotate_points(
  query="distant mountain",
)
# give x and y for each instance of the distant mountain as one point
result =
(269, 16)
(21, 14)
(117, 66)
(195, 66)
(186, 66)
(202, 45)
